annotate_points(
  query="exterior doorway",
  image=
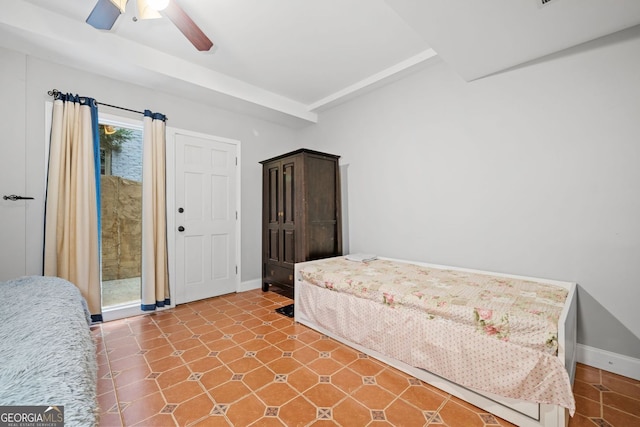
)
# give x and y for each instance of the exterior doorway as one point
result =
(120, 213)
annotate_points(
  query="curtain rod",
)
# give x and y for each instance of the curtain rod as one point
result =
(56, 92)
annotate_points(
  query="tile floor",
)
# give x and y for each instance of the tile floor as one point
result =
(233, 361)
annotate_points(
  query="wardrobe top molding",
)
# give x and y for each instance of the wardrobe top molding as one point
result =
(301, 150)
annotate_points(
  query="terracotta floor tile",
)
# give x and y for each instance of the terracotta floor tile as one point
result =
(179, 335)
(621, 402)
(160, 420)
(580, 421)
(130, 376)
(182, 392)
(373, 396)
(454, 414)
(132, 361)
(422, 397)
(245, 336)
(165, 364)
(104, 385)
(325, 366)
(158, 353)
(580, 388)
(193, 409)
(204, 364)
(246, 411)
(211, 336)
(305, 355)
(310, 336)
(259, 377)
(347, 380)
(587, 407)
(324, 395)
(107, 401)
(392, 380)
(366, 367)
(297, 412)
(344, 355)
(216, 377)
(284, 365)
(618, 418)
(321, 344)
(142, 409)
(269, 354)
(220, 344)
(110, 420)
(173, 376)
(244, 365)
(152, 343)
(350, 412)
(587, 374)
(212, 421)
(230, 354)
(252, 323)
(302, 379)
(232, 360)
(268, 421)
(186, 344)
(229, 392)
(116, 353)
(290, 344)
(400, 413)
(137, 390)
(263, 329)
(276, 394)
(621, 385)
(195, 353)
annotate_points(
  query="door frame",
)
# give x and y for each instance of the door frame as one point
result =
(171, 202)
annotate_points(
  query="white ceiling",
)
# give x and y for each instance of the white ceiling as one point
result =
(288, 59)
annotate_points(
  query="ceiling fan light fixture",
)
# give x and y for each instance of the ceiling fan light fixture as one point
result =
(145, 11)
(158, 4)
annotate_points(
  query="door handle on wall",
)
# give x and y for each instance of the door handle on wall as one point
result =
(13, 198)
(181, 228)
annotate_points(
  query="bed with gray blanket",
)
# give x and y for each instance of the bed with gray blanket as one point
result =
(47, 354)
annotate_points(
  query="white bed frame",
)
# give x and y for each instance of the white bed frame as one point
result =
(521, 413)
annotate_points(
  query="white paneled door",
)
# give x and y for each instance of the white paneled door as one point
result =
(205, 217)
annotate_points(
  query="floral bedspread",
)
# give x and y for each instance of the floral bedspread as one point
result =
(485, 332)
(519, 311)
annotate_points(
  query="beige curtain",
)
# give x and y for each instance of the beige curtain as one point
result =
(71, 249)
(155, 277)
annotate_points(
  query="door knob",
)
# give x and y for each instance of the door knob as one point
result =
(180, 210)
(181, 228)
(13, 198)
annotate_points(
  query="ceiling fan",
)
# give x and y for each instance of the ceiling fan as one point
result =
(106, 12)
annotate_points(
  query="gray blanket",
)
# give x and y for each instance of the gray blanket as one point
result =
(47, 354)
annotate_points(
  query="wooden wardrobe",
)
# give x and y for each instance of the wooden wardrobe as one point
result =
(300, 213)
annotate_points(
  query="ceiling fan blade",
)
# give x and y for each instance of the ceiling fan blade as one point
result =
(103, 15)
(189, 28)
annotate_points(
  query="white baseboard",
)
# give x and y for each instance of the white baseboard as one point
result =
(250, 285)
(608, 361)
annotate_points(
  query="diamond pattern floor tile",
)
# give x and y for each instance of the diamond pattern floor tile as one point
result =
(233, 361)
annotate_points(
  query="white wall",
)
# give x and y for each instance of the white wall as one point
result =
(259, 140)
(534, 171)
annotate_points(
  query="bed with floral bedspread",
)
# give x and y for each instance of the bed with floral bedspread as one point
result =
(493, 333)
